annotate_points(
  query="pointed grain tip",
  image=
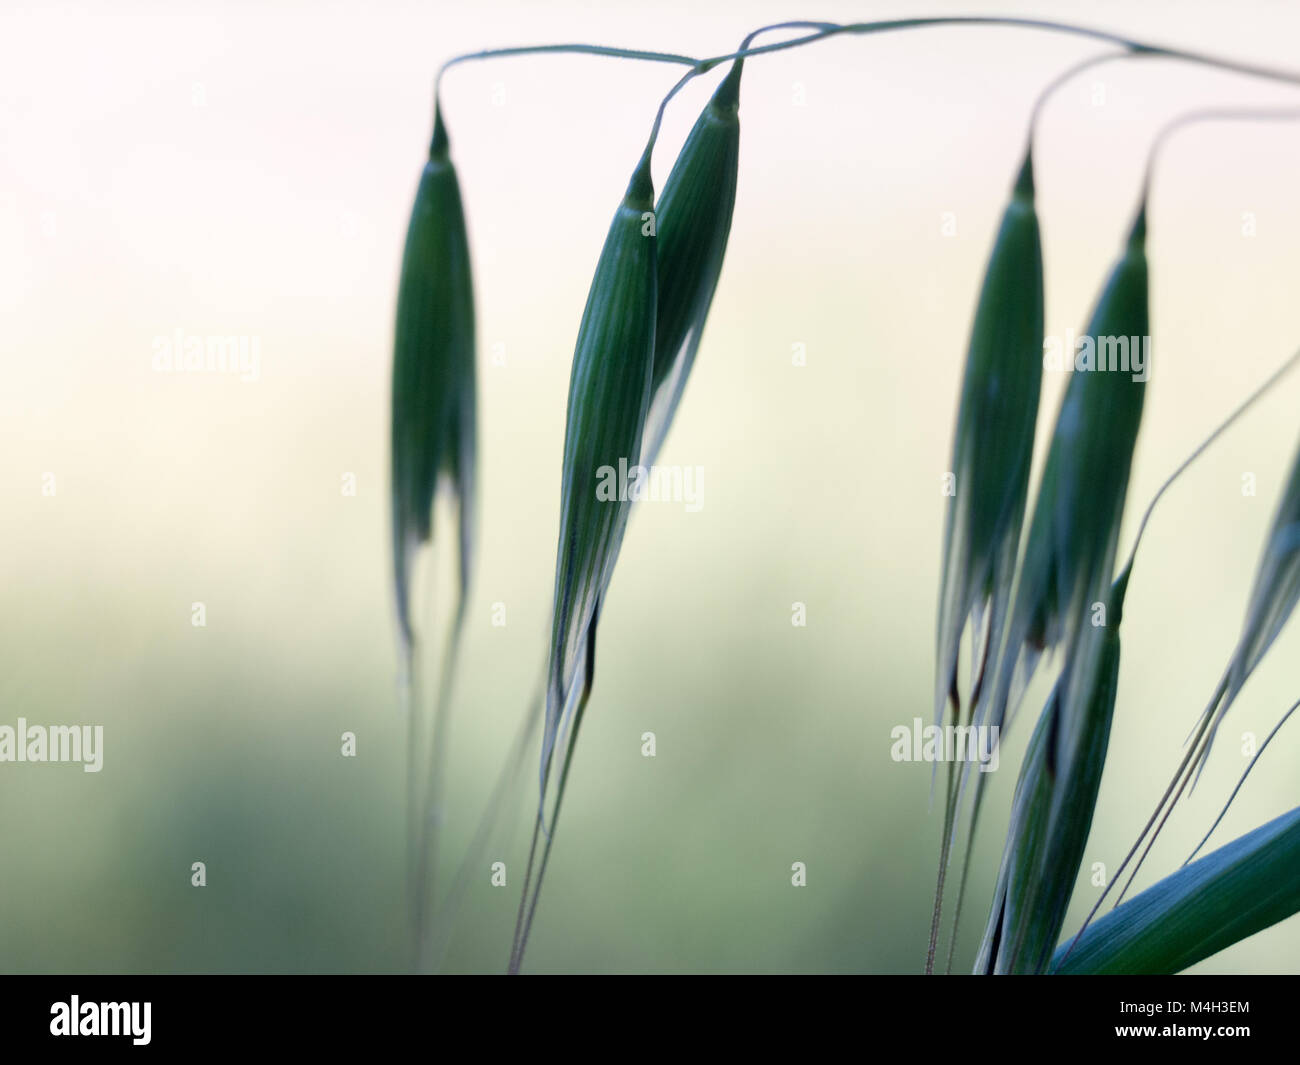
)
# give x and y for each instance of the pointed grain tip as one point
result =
(1138, 234)
(440, 145)
(640, 193)
(1024, 188)
(727, 96)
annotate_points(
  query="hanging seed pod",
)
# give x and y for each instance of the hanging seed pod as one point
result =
(1273, 598)
(1070, 551)
(1061, 775)
(694, 221)
(1069, 555)
(609, 392)
(992, 451)
(994, 440)
(434, 391)
(1277, 582)
(1053, 806)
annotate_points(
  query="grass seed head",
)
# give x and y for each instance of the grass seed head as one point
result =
(994, 439)
(1277, 580)
(1069, 554)
(609, 391)
(434, 390)
(1065, 573)
(694, 221)
(1273, 598)
(1053, 806)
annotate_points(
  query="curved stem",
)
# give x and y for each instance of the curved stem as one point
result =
(864, 28)
(825, 30)
(1216, 114)
(1273, 378)
(659, 115)
(1067, 75)
(705, 65)
(749, 37)
(546, 49)
(563, 49)
(1181, 122)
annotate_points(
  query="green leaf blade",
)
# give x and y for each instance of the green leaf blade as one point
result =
(1244, 887)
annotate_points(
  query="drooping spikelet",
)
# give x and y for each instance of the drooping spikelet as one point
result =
(434, 390)
(994, 440)
(1051, 813)
(1069, 554)
(992, 450)
(1273, 598)
(609, 393)
(694, 220)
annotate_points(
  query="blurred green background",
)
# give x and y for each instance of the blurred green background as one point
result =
(248, 171)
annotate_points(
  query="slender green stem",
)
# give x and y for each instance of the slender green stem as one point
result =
(410, 701)
(945, 850)
(524, 925)
(565, 49)
(705, 65)
(554, 49)
(1169, 810)
(1217, 114)
(1179, 123)
(1067, 75)
(432, 820)
(884, 26)
(1273, 378)
(444, 918)
(749, 37)
(516, 955)
(659, 115)
(1231, 798)
(824, 30)
(1178, 773)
